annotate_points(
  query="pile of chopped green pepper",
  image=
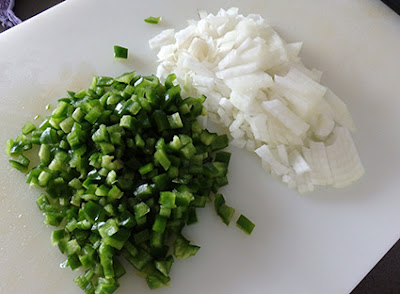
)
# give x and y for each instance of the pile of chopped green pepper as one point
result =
(124, 165)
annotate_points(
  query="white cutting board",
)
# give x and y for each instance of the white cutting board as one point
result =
(323, 242)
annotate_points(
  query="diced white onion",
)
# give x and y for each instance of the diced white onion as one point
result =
(261, 94)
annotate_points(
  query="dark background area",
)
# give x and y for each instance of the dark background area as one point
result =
(384, 278)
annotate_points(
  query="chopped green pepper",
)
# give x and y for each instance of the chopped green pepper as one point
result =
(245, 224)
(224, 211)
(124, 165)
(183, 249)
(152, 19)
(120, 52)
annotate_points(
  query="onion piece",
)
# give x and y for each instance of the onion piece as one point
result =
(300, 166)
(238, 70)
(265, 154)
(320, 170)
(342, 114)
(288, 118)
(166, 37)
(344, 161)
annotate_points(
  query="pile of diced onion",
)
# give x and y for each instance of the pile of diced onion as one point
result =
(262, 95)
